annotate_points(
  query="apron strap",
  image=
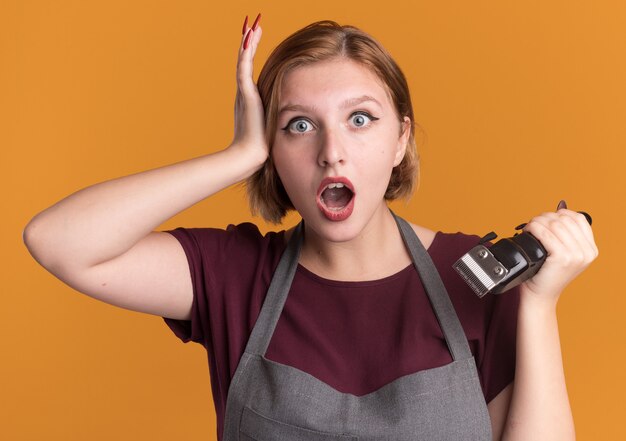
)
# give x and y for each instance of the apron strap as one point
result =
(276, 295)
(437, 293)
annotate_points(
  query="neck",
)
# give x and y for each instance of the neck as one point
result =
(375, 252)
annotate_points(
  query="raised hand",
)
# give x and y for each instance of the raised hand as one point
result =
(567, 237)
(249, 135)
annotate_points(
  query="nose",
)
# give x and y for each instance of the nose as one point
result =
(331, 151)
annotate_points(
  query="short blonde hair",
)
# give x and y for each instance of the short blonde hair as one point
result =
(320, 41)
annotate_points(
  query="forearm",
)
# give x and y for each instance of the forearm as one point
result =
(104, 220)
(539, 406)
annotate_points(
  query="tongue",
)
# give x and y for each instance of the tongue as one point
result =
(336, 197)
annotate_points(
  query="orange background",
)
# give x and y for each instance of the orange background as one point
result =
(523, 104)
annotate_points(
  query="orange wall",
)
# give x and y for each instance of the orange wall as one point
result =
(523, 104)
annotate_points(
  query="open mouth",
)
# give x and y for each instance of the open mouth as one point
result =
(335, 198)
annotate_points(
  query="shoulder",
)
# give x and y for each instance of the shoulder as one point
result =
(425, 235)
(446, 243)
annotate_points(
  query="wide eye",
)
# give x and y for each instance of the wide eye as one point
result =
(298, 125)
(361, 119)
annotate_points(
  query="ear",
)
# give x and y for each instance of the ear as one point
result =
(403, 140)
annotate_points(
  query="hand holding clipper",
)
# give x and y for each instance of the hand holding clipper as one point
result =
(505, 264)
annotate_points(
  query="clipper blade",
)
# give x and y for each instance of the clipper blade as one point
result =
(480, 270)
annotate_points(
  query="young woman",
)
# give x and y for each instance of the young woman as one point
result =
(352, 325)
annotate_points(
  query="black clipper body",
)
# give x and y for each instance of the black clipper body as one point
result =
(503, 265)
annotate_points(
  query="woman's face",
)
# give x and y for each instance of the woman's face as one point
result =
(336, 125)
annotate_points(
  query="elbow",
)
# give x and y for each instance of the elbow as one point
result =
(35, 242)
(49, 249)
(28, 235)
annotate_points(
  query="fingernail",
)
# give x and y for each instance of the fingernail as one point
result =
(245, 22)
(256, 22)
(245, 40)
(520, 226)
(562, 204)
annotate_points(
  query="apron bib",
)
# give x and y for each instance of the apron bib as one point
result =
(270, 401)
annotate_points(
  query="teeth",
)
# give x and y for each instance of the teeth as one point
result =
(335, 184)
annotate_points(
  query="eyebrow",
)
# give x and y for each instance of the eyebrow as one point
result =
(347, 103)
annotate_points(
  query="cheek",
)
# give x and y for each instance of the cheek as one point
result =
(280, 158)
(290, 156)
(391, 152)
(381, 154)
(286, 164)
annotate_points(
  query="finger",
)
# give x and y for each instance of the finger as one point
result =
(562, 236)
(255, 39)
(246, 39)
(246, 35)
(538, 227)
(578, 234)
(246, 59)
(244, 32)
(583, 225)
(577, 226)
(256, 21)
(251, 41)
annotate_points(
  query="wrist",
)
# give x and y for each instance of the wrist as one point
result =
(252, 159)
(538, 301)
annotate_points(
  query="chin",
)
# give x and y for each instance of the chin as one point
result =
(336, 231)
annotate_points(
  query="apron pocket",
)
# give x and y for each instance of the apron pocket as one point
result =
(256, 427)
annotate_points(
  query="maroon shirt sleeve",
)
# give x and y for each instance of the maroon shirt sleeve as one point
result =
(224, 267)
(197, 329)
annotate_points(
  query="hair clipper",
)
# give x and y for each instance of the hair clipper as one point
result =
(505, 264)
